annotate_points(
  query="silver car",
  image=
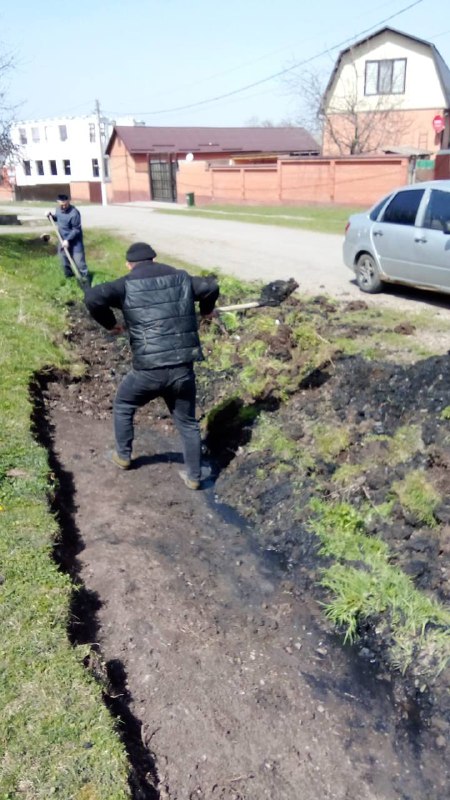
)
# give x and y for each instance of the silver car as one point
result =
(404, 238)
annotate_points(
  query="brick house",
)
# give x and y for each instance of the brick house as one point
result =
(388, 92)
(144, 161)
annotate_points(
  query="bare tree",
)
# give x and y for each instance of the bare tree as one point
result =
(348, 122)
(7, 147)
(307, 90)
(256, 122)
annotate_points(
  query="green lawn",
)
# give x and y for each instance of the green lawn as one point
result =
(324, 219)
(56, 737)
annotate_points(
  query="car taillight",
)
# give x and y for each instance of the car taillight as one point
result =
(347, 226)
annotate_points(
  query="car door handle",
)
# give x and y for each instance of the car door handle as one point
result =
(378, 233)
(421, 239)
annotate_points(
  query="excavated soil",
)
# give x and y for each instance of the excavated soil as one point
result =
(206, 625)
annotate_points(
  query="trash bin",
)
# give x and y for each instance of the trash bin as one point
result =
(190, 199)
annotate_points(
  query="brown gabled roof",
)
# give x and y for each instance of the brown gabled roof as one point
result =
(143, 139)
(441, 67)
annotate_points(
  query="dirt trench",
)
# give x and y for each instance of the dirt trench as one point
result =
(233, 686)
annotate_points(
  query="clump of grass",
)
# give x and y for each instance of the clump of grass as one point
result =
(269, 436)
(365, 585)
(263, 323)
(329, 440)
(418, 497)
(304, 334)
(253, 381)
(287, 454)
(233, 290)
(445, 413)
(346, 474)
(221, 354)
(406, 442)
(230, 321)
(254, 350)
(357, 345)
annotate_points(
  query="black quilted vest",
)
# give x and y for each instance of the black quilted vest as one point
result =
(160, 317)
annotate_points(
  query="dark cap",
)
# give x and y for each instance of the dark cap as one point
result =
(62, 198)
(140, 252)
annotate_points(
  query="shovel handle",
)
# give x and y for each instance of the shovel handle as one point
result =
(74, 267)
(240, 306)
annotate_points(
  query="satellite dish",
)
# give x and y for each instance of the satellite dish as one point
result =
(189, 156)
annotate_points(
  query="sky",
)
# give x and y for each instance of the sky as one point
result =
(197, 63)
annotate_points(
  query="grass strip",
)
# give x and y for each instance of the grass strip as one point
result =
(323, 219)
(57, 739)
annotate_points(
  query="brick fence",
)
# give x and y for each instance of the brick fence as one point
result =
(348, 181)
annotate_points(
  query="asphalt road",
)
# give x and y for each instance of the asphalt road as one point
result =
(249, 251)
(252, 251)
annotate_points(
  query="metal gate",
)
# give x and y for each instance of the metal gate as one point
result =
(163, 179)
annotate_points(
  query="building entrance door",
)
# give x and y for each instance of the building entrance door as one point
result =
(163, 179)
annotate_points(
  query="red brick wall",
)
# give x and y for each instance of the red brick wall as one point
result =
(6, 189)
(352, 181)
(6, 194)
(129, 176)
(86, 191)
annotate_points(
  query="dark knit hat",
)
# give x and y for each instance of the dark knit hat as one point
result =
(140, 252)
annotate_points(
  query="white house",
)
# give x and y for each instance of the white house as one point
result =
(61, 153)
(387, 91)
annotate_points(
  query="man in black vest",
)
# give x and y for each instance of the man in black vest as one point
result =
(158, 305)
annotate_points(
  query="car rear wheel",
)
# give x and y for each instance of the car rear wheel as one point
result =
(367, 275)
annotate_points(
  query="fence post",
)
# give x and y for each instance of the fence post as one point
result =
(332, 179)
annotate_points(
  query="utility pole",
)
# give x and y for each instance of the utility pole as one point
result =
(102, 154)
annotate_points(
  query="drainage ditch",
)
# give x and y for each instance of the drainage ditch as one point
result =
(85, 604)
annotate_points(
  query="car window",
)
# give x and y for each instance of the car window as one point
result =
(375, 211)
(402, 209)
(437, 215)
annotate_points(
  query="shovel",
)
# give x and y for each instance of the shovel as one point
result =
(271, 295)
(75, 270)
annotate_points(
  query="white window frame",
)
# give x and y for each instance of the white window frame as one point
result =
(385, 76)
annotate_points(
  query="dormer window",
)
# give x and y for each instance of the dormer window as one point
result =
(387, 76)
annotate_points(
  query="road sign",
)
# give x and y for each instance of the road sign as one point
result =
(438, 123)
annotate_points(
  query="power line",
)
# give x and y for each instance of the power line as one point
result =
(244, 64)
(274, 75)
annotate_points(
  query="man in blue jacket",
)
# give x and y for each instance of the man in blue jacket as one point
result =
(158, 306)
(68, 220)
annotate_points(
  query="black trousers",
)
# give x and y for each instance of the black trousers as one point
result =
(176, 385)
